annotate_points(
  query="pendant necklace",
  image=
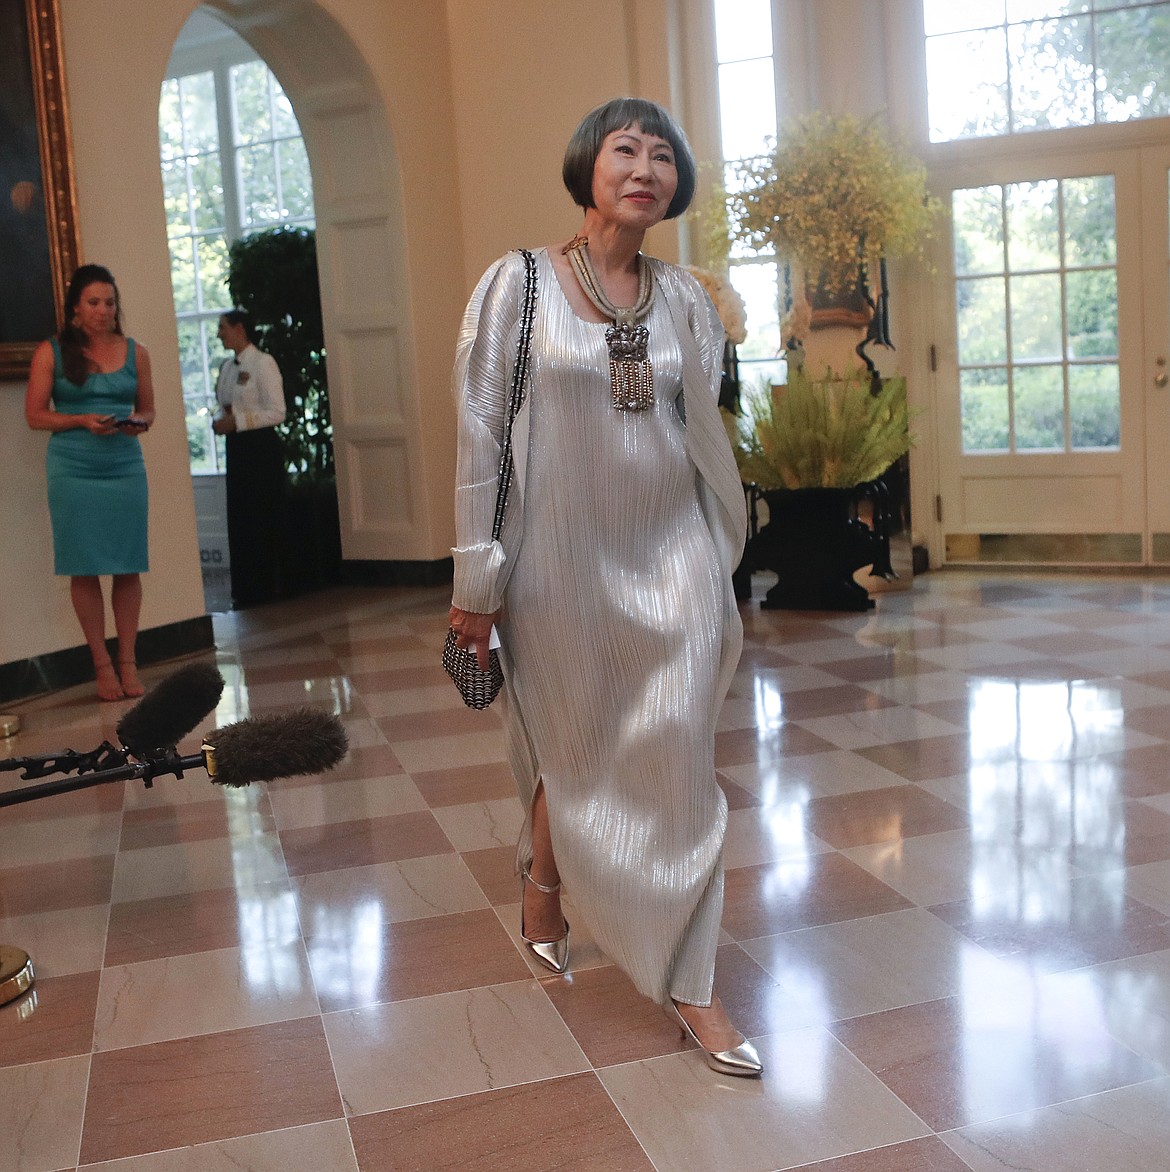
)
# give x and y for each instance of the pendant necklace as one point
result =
(630, 373)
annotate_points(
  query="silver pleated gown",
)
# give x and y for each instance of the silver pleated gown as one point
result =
(612, 628)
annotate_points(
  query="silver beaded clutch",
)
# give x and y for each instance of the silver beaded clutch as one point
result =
(477, 687)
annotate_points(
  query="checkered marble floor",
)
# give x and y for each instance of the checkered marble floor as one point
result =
(947, 920)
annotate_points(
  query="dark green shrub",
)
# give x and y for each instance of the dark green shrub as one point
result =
(273, 275)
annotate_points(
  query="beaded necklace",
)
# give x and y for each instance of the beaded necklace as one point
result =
(630, 374)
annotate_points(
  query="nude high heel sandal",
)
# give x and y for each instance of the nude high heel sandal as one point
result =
(742, 1061)
(553, 954)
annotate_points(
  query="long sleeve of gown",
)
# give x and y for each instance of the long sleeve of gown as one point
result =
(484, 357)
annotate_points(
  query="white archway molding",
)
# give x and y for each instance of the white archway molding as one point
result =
(365, 292)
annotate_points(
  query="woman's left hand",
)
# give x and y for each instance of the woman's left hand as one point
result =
(473, 630)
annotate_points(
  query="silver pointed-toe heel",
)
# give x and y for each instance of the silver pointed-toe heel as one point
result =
(553, 954)
(742, 1061)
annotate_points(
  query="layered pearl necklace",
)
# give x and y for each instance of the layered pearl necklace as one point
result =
(630, 374)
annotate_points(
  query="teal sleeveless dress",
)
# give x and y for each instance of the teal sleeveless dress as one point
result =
(97, 483)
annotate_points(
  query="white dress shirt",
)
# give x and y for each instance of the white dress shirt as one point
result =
(250, 384)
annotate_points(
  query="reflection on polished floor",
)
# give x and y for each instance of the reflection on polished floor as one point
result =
(947, 923)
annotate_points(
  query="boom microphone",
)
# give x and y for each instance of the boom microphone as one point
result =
(171, 709)
(264, 748)
(287, 744)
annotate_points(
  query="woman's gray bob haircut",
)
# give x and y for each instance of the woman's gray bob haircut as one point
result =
(620, 114)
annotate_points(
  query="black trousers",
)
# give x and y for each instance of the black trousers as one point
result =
(256, 514)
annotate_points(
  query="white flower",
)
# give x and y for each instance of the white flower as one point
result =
(728, 303)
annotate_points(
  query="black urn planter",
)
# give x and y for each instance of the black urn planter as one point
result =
(814, 542)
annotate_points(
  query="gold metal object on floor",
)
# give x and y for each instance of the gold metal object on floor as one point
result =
(9, 724)
(16, 973)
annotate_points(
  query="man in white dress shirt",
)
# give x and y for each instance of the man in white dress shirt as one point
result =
(250, 392)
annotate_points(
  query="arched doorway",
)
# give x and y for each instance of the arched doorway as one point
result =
(364, 291)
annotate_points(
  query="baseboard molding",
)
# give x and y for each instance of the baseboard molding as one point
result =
(400, 573)
(24, 678)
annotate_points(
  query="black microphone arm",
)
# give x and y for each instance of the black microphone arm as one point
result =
(264, 748)
(166, 764)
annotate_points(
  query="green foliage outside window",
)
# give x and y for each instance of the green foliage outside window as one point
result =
(274, 277)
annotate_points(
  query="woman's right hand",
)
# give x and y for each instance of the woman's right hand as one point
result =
(98, 424)
(473, 630)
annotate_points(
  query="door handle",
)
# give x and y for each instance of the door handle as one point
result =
(1161, 378)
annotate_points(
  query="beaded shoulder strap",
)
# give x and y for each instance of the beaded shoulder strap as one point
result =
(516, 395)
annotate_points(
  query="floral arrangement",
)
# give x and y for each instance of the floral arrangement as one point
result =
(834, 195)
(728, 303)
(821, 433)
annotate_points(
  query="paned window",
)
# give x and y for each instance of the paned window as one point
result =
(215, 195)
(1008, 66)
(1036, 297)
(748, 120)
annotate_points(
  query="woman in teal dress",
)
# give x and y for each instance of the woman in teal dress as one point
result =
(91, 387)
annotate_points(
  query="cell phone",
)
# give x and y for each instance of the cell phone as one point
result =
(128, 424)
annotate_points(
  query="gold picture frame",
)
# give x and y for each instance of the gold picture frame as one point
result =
(38, 200)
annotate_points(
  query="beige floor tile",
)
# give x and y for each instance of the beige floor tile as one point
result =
(198, 866)
(323, 1147)
(1131, 996)
(757, 684)
(928, 869)
(860, 730)
(407, 889)
(363, 733)
(445, 752)
(451, 1044)
(765, 836)
(922, 687)
(324, 804)
(1150, 883)
(867, 965)
(72, 940)
(1126, 1130)
(194, 786)
(815, 1101)
(41, 1109)
(153, 1001)
(482, 825)
(55, 838)
(432, 698)
(813, 776)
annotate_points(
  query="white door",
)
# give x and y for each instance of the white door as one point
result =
(1049, 397)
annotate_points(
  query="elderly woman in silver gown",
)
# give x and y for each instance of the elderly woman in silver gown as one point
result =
(610, 585)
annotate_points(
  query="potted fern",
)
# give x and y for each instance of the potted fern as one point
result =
(815, 449)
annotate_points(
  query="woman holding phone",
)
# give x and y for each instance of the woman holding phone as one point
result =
(90, 386)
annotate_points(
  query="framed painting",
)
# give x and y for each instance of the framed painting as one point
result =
(38, 205)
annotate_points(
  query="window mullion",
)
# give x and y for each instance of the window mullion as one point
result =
(225, 113)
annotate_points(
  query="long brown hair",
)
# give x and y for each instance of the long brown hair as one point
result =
(71, 337)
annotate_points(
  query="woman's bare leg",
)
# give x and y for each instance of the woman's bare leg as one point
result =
(543, 918)
(85, 590)
(711, 1024)
(126, 597)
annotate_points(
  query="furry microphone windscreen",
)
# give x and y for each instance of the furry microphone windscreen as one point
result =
(286, 744)
(171, 709)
